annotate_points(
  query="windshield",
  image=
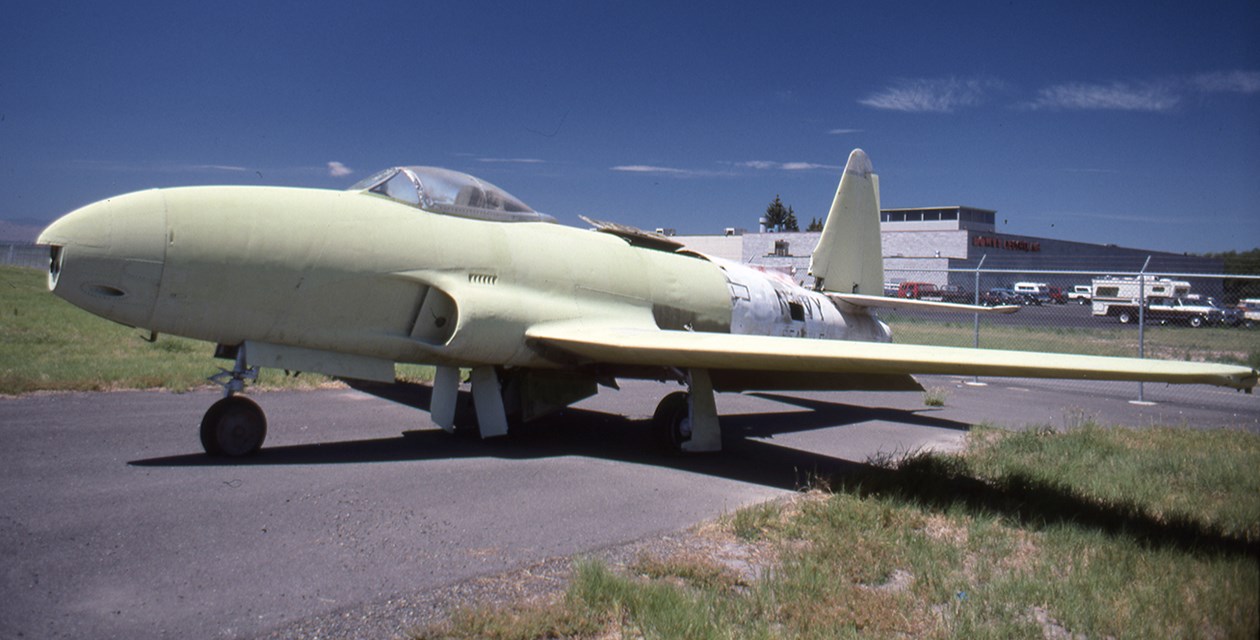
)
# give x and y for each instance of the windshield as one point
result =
(449, 192)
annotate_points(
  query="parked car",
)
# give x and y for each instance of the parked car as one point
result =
(1056, 295)
(1038, 291)
(1230, 316)
(1003, 296)
(1188, 311)
(919, 291)
(955, 293)
(1250, 310)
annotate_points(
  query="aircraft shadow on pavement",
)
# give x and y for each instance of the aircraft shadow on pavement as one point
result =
(824, 414)
(747, 454)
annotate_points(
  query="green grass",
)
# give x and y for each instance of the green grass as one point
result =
(1121, 533)
(935, 397)
(48, 344)
(1211, 344)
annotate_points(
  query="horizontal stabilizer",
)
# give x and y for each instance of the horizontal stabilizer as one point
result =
(883, 302)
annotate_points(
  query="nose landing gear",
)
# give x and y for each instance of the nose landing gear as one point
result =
(234, 426)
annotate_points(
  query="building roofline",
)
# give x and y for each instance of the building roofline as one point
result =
(952, 206)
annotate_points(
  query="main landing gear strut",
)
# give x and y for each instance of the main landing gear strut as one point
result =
(234, 426)
(687, 421)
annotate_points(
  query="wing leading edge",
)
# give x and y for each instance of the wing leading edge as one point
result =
(721, 351)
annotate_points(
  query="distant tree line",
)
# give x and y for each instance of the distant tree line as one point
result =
(780, 218)
(1243, 263)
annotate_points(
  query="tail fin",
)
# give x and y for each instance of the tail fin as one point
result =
(849, 258)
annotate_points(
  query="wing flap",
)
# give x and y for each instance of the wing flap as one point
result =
(718, 351)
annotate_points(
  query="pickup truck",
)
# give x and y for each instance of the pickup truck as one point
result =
(919, 291)
(1081, 293)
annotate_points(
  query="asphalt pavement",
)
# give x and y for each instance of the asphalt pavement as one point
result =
(114, 524)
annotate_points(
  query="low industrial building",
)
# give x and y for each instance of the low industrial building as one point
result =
(945, 245)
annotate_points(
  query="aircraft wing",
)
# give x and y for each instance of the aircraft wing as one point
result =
(721, 351)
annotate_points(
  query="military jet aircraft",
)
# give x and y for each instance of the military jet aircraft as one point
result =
(431, 266)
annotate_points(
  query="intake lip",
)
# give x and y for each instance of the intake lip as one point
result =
(108, 257)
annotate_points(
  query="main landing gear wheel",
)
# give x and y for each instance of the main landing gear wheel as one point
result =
(233, 427)
(672, 422)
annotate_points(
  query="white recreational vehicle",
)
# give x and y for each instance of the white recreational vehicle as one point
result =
(1166, 300)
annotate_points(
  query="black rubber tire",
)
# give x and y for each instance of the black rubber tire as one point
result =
(1197, 321)
(1125, 317)
(669, 421)
(234, 427)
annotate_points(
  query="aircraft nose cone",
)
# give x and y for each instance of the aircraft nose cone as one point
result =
(107, 257)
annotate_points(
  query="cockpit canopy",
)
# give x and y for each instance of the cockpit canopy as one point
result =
(450, 193)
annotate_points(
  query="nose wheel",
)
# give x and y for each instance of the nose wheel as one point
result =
(233, 427)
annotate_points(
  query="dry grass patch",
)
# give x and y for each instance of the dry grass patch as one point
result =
(1087, 533)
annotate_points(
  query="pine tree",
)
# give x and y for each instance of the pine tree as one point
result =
(776, 215)
(789, 222)
(814, 225)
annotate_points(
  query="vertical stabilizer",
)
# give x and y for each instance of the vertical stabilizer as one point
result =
(848, 258)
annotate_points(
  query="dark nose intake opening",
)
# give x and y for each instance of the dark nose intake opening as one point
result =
(54, 266)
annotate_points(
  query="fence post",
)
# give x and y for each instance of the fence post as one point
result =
(1141, 399)
(975, 380)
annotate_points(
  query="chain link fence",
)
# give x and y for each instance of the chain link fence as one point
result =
(1141, 313)
(23, 254)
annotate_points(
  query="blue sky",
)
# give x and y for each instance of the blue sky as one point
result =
(1112, 122)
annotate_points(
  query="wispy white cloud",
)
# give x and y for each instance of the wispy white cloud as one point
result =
(757, 164)
(512, 160)
(1227, 82)
(162, 167)
(211, 167)
(338, 170)
(1152, 95)
(644, 168)
(1158, 95)
(767, 165)
(806, 166)
(841, 132)
(1116, 96)
(673, 171)
(931, 95)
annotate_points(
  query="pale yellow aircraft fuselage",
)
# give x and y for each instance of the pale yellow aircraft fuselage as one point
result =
(422, 265)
